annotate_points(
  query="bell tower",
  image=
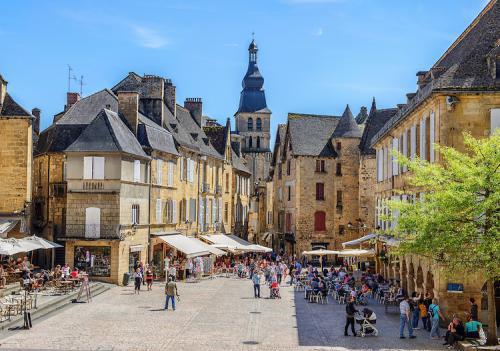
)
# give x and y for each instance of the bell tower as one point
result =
(253, 120)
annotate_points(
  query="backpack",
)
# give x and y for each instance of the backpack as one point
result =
(431, 310)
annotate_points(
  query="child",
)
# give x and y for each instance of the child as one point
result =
(423, 312)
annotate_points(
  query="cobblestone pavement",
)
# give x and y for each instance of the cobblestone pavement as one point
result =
(219, 314)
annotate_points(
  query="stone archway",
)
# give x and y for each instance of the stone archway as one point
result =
(404, 275)
(420, 279)
(429, 283)
(411, 279)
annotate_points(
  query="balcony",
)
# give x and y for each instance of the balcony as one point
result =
(94, 185)
(58, 189)
(205, 187)
(98, 231)
(218, 189)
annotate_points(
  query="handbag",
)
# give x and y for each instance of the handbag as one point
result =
(482, 337)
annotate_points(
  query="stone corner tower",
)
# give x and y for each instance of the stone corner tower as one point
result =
(253, 120)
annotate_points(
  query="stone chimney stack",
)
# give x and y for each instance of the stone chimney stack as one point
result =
(169, 97)
(3, 89)
(71, 99)
(36, 123)
(194, 105)
(421, 81)
(128, 107)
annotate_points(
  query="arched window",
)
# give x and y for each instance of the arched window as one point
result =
(250, 143)
(258, 142)
(319, 221)
(259, 124)
(250, 123)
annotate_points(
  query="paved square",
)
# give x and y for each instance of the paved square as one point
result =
(219, 314)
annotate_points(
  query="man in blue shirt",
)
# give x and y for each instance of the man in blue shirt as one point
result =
(435, 313)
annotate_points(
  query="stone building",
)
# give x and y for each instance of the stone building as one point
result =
(17, 130)
(460, 92)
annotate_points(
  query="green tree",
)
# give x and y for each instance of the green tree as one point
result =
(457, 222)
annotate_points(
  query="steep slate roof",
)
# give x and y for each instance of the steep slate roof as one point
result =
(57, 138)
(85, 110)
(279, 142)
(347, 126)
(376, 120)
(462, 67)
(217, 136)
(310, 135)
(151, 135)
(237, 162)
(12, 108)
(107, 133)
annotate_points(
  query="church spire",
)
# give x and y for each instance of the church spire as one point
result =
(347, 126)
(252, 52)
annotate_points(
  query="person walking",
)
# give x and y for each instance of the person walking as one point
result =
(350, 311)
(405, 318)
(415, 312)
(435, 314)
(170, 293)
(137, 280)
(149, 277)
(256, 279)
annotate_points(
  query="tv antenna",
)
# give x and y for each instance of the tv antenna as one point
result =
(80, 81)
(70, 77)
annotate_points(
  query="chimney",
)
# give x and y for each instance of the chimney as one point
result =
(169, 96)
(36, 123)
(194, 105)
(128, 107)
(410, 96)
(421, 81)
(71, 99)
(3, 89)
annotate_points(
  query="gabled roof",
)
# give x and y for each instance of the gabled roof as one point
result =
(279, 142)
(238, 162)
(85, 110)
(310, 135)
(57, 138)
(12, 108)
(151, 135)
(347, 126)
(376, 120)
(107, 133)
(463, 67)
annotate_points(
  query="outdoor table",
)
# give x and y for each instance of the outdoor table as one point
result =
(66, 286)
(10, 306)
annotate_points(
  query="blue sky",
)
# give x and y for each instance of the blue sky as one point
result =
(316, 55)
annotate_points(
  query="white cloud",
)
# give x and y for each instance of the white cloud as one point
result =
(319, 32)
(148, 37)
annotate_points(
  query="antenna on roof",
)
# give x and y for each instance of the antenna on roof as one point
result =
(70, 77)
(80, 81)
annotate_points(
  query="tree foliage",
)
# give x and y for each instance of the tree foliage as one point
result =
(456, 222)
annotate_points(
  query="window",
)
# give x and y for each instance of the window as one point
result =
(227, 183)
(289, 192)
(338, 170)
(92, 222)
(320, 191)
(250, 143)
(95, 260)
(170, 169)
(135, 214)
(171, 211)
(190, 170)
(259, 124)
(288, 222)
(339, 145)
(158, 211)
(497, 65)
(258, 142)
(319, 221)
(250, 124)
(64, 171)
(341, 229)
(269, 217)
(137, 171)
(495, 114)
(181, 169)
(192, 210)
(339, 198)
(159, 171)
(280, 170)
(288, 167)
(320, 166)
(93, 167)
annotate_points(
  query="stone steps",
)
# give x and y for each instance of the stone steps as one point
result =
(53, 306)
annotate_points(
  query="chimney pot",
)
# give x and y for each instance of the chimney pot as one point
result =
(128, 107)
(195, 106)
(36, 112)
(71, 99)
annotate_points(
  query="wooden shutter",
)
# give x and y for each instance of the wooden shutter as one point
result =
(395, 164)
(159, 171)
(137, 171)
(98, 168)
(181, 168)
(170, 173)
(87, 167)
(174, 211)
(92, 222)
(494, 117)
(432, 137)
(413, 138)
(405, 147)
(422, 139)
(158, 211)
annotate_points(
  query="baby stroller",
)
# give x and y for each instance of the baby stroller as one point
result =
(367, 322)
(275, 291)
(361, 299)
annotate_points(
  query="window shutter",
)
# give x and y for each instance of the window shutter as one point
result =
(395, 165)
(220, 210)
(174, 211)
(137, 171)
(159, 172)
(215, 211)
(405, 147)
(170, 173)
(494, 118)
(87, 167)
(92, 222)
(431, 137)
(413, 137)
(202, 214)
(98, 168)
(158, 211)
(422, 139)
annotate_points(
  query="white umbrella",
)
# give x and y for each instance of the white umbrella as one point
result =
(9, 248)
(41, 242)
(320, 253)
(25, 246)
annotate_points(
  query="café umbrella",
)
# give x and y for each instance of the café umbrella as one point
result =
(41, 242)
(320, 253)
(9, 248)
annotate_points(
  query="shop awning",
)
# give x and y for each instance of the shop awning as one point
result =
(359, 240)
(136, 248)
(213, 249)
(191, 247)
(389, 241)
(320, 252)
(171, 232)
(356, 253)
(234, 243)
(6, 225)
